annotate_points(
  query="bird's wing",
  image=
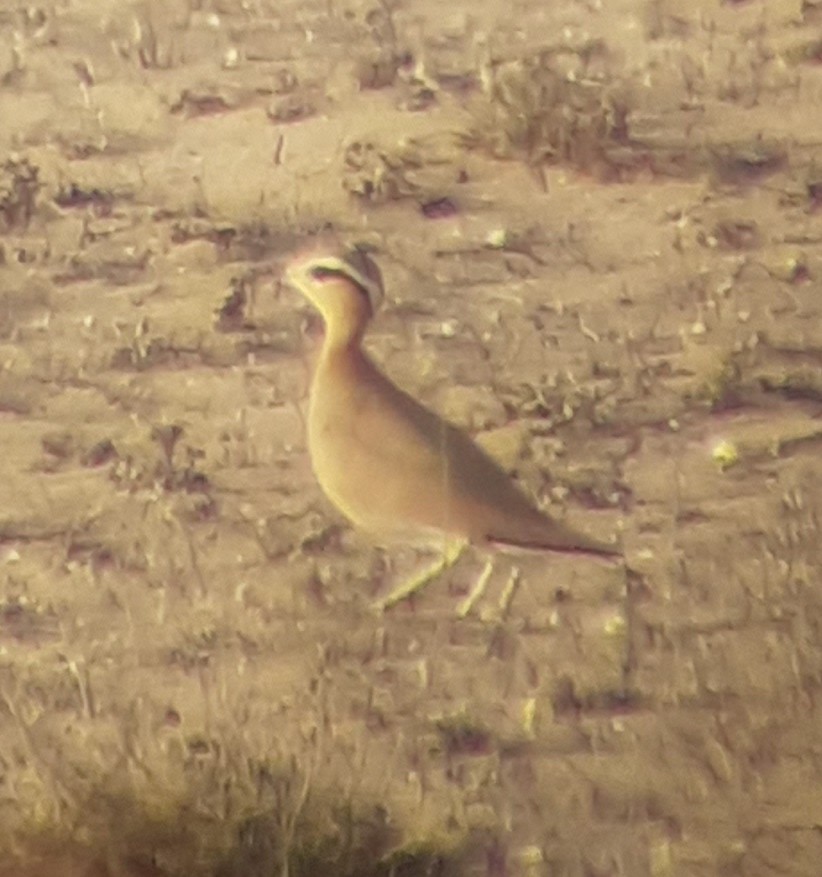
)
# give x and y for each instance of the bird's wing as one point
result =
(417, 444)
(398, 430)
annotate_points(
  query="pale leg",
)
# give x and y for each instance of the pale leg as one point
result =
(475, 594)
(478, 591)
(451, 554)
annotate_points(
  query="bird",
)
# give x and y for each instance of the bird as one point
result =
(391, 466)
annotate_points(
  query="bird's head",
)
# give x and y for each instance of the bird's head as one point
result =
(344, 285)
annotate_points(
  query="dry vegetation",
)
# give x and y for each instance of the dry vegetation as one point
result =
(600, 228)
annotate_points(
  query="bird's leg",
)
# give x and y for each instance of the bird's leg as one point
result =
(480, 586)
(508, 593)
(450, 555)
(475, 594)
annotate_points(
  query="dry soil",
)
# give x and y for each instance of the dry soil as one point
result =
(600, 226)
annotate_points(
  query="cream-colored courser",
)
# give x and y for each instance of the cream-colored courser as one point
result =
(390, 465)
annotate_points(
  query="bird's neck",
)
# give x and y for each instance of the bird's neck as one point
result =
(345, 319)
(344, 331)
(340, 376)
(343, 335)
(341, 355)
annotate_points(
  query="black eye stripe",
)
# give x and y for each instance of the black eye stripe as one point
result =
(322, 272)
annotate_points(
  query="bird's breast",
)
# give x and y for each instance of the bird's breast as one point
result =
(337, 455)
(370, 459)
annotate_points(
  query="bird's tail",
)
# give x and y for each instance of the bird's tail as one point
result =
(545, 534)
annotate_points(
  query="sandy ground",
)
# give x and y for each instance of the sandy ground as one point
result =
(600, 226)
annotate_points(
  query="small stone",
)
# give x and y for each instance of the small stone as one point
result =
(497, 238)
(725, 454)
